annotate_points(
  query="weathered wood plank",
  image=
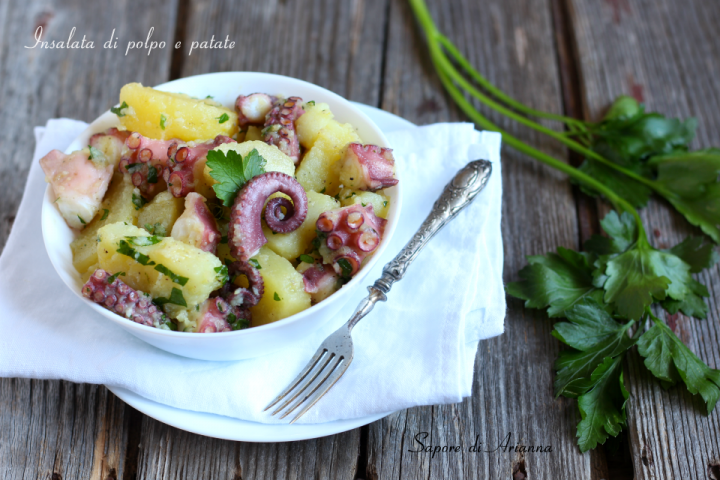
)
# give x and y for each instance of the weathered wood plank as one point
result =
(666, 54)
(337, 45)
(76, 431)
(513, 385)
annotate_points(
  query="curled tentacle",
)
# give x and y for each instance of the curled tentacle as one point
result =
(280, 127)
(275, 218)
(239, 296)
(351, 234)
(253, 108)
(118, 297)
(245, 234)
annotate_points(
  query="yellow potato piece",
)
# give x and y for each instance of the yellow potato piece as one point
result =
(308, 126)
(292, 245)
(380, 202)
(165, 115)
(285, 293)
(180, 258)
(315, 171)
(117, 206)
(159, 216)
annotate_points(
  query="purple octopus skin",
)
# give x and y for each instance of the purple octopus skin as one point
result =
(245, 234)
(123, 300)
(351, 233)
(253, 108)
(367, 167)
(172, 161)
(180, 171)
(280, 127)
(240, 297)
(216, 314)
(320, 281)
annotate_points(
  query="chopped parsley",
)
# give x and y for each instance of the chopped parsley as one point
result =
(255, 263)
(224, 239)
(143, 241)
(345, 267)
(97, 155)
(176, 298)
(222, 274)
(163, 119)
(276, 297)
(232, 171)
(311, 102)
(124, 248)
(156, 229)
(307, 258)
(119, 110)
(385, 203)
(152, 176)
(81, 220)
(223, 118)
(337, 197)
(105, 214)
(112, 278)
(138, 200)
(210, 97)
(182, 281)
(237, 323)
(323, 190)
(351, 194)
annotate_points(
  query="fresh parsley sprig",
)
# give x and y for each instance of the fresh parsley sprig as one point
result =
(605, 290)
(232, 171)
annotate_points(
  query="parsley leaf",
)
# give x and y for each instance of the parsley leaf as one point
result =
(113, 277)
(171, 275)
(124, 248)
(670, 360)
(223, 118)
(345, 267)
(276, 297)
(138, 201)
(105, 214)
(307, 258)
(602, 409)
(81, 220)
(97, 156)
(163, 119)
(232, 171)
(143, 241)
(556, 280)
(255, 263)
(222, 274)
(595, 336)
(176, 298)
(119, 110)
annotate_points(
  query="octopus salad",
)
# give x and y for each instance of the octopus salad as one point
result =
(195, 217)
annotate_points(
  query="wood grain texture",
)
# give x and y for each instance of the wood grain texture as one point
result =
(53, 427)
(339, 46)
(666, 54)
(513, 379)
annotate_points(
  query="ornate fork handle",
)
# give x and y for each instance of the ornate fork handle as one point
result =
(458, 194)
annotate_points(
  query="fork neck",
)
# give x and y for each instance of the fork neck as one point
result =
(366, 305)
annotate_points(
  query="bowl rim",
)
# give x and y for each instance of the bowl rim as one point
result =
(348, 288)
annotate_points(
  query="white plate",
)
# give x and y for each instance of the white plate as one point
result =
(229, 428)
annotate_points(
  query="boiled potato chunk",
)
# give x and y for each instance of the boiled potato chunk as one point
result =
(158, 216)
(308, 126)
(285, 293)
(117, 206)
(315, 171)
(292, 245)
(165, 115)
(253, 133)
(276, 161)
(380, 202)
(180, 258)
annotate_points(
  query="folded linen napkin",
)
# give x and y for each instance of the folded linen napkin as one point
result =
(416, 349)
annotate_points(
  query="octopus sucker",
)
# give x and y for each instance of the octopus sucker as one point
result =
(217, 315)
(280, 126)
(112, 293)
(351, 234)
(245, 233)
(242, 297)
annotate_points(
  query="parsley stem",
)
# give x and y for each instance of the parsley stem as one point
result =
(448, 75)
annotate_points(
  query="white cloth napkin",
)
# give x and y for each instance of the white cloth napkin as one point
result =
(416, 349)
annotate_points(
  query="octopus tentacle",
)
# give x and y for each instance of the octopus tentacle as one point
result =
(367, 167)
(216, 315)
(253, 108)
(239, 296)
(351, 234)
(245, 234)
(180, 169)
(280, 127)
(145, 160)
(113, 294)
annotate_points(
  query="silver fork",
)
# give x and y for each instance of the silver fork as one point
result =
(333, 357)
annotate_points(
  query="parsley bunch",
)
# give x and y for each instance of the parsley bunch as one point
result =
(232, 171)
(606, 291)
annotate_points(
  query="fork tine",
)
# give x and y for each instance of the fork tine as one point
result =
(307, 382)
(317, 393)
(310, 365)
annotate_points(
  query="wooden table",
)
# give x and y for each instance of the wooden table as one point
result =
(571, 56)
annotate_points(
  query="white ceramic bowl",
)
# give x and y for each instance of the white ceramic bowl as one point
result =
(253, 342)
